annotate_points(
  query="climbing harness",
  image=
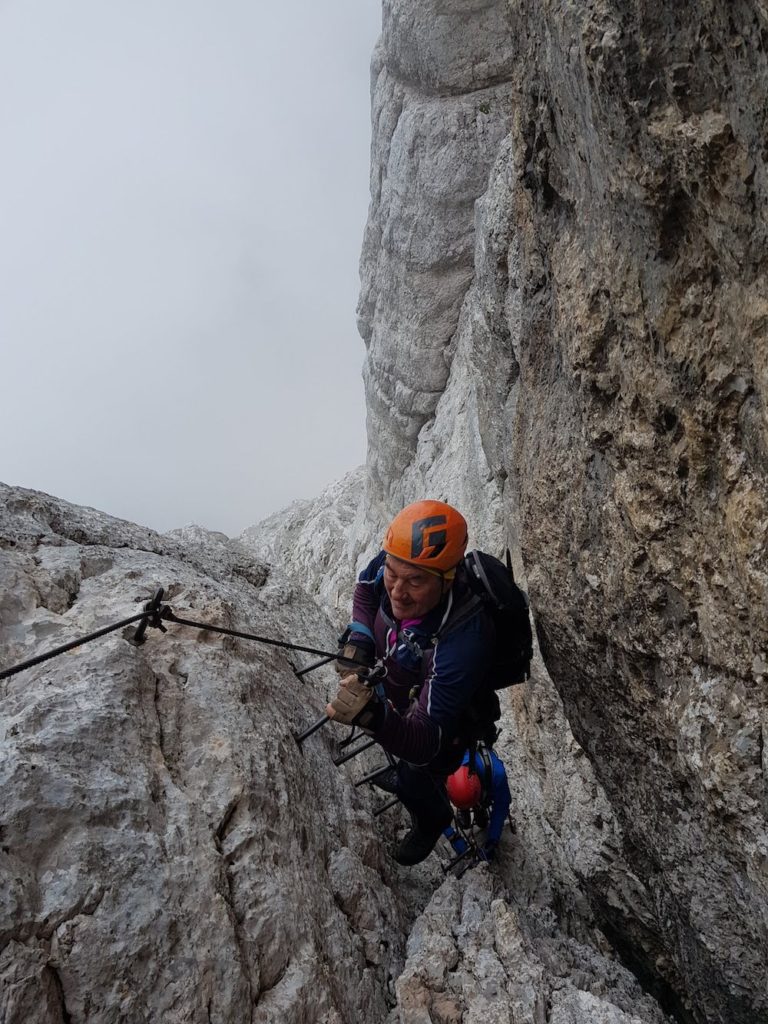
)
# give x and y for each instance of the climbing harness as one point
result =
(468, 857)
(473, 853)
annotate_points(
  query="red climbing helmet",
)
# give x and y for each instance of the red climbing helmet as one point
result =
(464, 790)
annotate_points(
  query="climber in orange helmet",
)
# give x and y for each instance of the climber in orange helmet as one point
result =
(413, 610)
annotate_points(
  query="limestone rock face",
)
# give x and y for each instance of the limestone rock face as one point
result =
(575, 353)
(316, 542)
(565, 310)
(640, 451)
(167, 853)
(473, 957)
(440, 112)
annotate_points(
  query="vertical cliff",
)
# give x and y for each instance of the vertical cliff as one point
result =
(640, 450)
(565, 310)
(440, 113)
(565, 307)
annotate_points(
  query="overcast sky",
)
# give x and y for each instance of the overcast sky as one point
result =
(183, 192)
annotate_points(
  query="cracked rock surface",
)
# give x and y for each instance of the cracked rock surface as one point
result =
(439, 114)
(167, 852)
(474, 956)
(581, 366)
(564, 305)
(316, 542)
(640, 453)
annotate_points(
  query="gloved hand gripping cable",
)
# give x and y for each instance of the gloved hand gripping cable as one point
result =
(354, 700)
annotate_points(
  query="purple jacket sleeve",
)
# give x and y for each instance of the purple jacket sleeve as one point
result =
(460, 664)
(365, 603)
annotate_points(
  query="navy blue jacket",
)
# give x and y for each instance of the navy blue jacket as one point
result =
(434, 669)
(496, 797)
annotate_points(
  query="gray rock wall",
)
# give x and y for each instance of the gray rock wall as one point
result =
(439, 115)
(475, 957)
(564, 307)
(166, 851)
(639, 451)
(316, 543)
(600, 401)
(168, 854)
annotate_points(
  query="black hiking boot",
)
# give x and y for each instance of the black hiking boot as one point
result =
(416, 846)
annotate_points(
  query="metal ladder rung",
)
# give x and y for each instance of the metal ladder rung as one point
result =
(374, 774)
(386, 806)
(353, 753)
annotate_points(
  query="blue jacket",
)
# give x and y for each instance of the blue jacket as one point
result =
(496, 796)
(432, 676)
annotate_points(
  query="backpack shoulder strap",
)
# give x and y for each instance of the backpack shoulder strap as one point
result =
(469, 606)
(463, 612)
(454, 616)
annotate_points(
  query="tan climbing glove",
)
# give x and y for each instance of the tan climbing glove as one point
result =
(350, 702)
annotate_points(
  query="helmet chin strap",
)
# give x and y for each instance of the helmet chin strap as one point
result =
(446, 582)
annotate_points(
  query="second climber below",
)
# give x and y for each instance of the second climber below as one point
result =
(412, 609)
(481, 796)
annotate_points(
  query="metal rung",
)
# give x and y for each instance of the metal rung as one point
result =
(353, 735)
(386, 806)
(312, 667)
(353, 753)
(300, 737)
(374, 774)
(457, 859)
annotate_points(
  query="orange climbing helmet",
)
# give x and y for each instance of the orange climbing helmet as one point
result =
(429, 534)
(464, 790)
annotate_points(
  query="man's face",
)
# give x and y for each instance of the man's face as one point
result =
(412, 591)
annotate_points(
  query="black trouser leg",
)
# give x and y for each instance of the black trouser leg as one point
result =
(425, 797)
